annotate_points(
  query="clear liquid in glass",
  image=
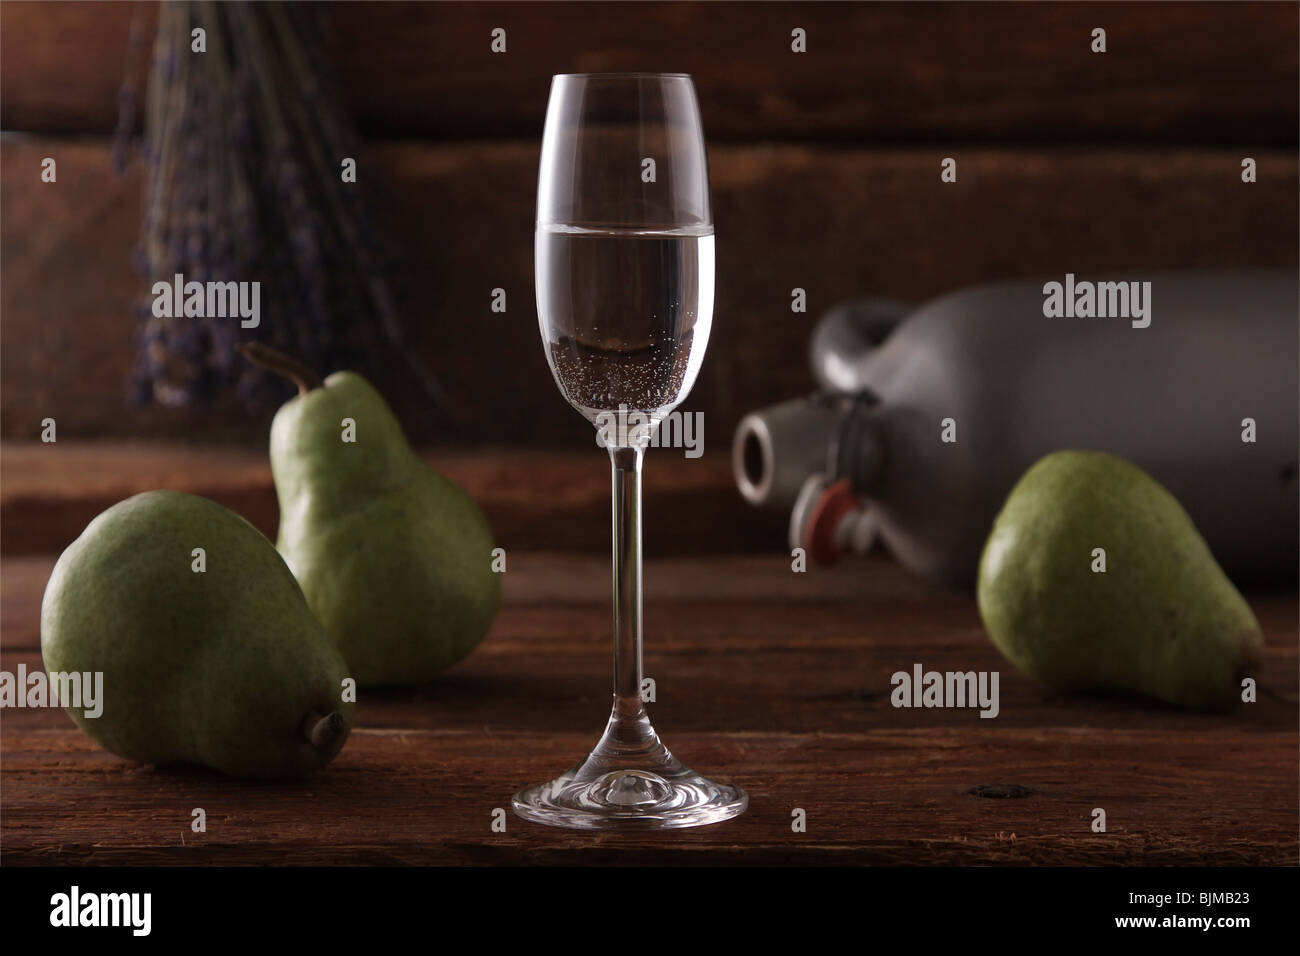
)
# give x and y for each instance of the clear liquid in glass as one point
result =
(625, 316)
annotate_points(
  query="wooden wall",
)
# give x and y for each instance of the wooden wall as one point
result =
(825, 172)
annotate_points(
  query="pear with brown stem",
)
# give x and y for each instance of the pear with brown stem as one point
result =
(394, 559)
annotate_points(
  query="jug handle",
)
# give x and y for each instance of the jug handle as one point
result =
(845, 335)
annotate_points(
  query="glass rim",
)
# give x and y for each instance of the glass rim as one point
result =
(632, 75)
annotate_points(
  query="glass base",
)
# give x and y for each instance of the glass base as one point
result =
(630, 781)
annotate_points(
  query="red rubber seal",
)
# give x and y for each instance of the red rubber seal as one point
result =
(836, 502)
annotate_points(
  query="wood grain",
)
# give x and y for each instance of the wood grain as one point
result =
(838, 223)
(892, 799)
(534, 499)
(775, 680)
(1198, 73)
(825, 643)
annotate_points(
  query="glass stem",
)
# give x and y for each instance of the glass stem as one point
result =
(626, 462)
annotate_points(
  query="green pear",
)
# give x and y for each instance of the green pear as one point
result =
(1161, 620)
(394, 559)
(208, 656)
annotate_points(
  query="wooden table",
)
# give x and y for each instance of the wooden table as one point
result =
(776, 680)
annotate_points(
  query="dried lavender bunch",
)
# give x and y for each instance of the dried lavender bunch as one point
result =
(244, 144)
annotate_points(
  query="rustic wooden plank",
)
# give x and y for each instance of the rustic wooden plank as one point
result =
(573, 582)
(779, 682)
(535, 499)
(1192, 72)
(838, 223)
(810, 679)
(723, 632)
(882, 798)
(552, 579)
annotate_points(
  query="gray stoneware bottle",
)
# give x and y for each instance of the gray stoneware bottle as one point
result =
(865, 460)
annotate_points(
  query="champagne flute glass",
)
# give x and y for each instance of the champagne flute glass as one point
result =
(624, 262)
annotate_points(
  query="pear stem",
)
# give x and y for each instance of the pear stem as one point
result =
(327, 734)
(263, 356)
